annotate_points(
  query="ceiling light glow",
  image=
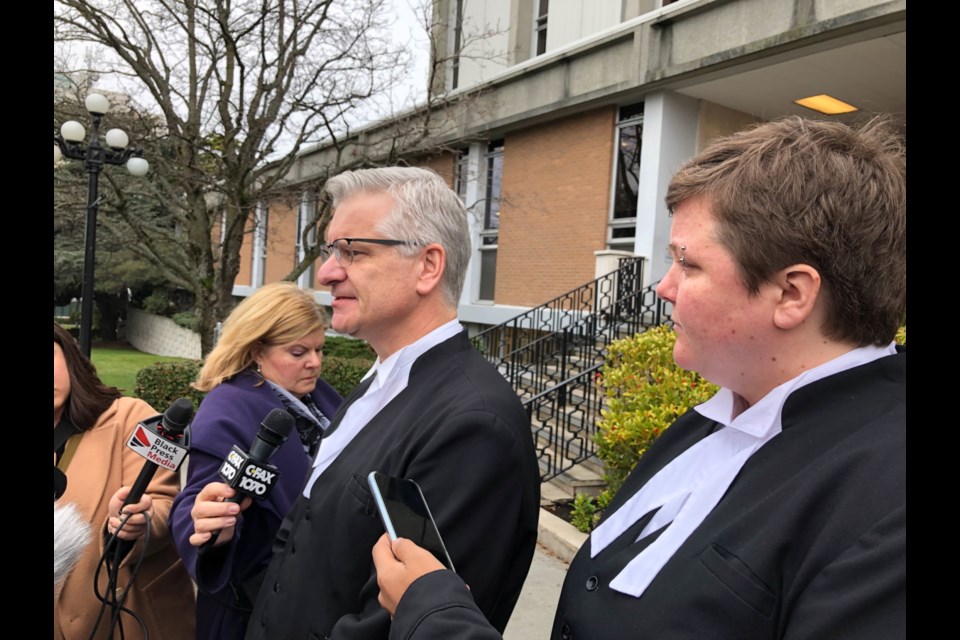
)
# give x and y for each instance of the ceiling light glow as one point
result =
(826, 104)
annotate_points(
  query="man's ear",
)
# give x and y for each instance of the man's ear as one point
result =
(799, 290)
(433, 261)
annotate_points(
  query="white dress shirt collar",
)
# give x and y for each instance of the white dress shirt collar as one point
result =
(401, 360)
(764, 417)
(392, 377)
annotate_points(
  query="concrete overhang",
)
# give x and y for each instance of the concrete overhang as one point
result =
(754, 56)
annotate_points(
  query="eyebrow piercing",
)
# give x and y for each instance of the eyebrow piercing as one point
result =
(683, 258)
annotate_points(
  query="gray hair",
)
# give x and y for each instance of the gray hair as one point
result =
(426, 210)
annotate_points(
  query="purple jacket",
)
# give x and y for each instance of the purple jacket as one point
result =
(231, 414)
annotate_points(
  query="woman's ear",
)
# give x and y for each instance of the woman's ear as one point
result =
(799, 286)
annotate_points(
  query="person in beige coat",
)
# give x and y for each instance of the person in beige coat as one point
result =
(100, 469)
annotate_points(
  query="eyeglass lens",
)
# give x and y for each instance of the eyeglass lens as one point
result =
(341, 250)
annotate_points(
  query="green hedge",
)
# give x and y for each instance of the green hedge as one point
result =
(187, 320)
(338, 347)
(162, 383)
(343, 374)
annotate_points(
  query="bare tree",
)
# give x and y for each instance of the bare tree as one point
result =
(240, 87)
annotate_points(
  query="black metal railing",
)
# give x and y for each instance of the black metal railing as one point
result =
(499, 342)
(564, 421)
(552, 355)
(546, 345)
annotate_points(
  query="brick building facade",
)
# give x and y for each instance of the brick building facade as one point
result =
(589, 110)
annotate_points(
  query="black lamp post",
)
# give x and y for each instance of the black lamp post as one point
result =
(69, 143)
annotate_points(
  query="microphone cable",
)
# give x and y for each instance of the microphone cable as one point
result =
(111, 559)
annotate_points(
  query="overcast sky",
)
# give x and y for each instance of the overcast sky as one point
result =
(407, 32)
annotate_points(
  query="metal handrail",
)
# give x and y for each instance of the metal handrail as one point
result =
(552, 314)
(551, 354)
(563, 420)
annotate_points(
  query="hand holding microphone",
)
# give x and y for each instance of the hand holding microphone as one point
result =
(244, 474)
(128, 521)
(157, 440)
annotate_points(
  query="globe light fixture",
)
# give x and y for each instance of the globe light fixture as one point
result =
(73, 131)
(97, 104)
(117, 139)
(69, 143)
(138, 167)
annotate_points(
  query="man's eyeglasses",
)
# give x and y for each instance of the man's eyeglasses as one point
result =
(342, 248)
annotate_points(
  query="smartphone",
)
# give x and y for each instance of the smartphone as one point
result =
(405, 514)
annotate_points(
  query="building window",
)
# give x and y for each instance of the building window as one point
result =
(626, 178)
(491, 221)
(540, 26)
(457, 43)
(306, 219)
(462, 173)
(259, 266)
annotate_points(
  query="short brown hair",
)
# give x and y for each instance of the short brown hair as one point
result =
(89, 397)
(798, 191)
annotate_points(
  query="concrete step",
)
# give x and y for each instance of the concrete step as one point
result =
(583, 477)
(580, 478)
(552, 492)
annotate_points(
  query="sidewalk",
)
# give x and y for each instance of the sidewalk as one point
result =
(557, 543)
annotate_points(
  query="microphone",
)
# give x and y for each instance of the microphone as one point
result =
(71, 535)
(59, 483)
(156, 439)
(251, 474)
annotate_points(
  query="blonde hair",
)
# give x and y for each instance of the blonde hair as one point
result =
(277, 313)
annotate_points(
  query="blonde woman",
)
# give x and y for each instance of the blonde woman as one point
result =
(269, 356)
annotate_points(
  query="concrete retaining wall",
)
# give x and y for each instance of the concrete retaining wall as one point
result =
(160, 336)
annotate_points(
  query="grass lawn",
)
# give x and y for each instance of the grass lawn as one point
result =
(117, 364)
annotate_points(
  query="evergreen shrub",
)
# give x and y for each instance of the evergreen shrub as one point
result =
(163, 382)
(187, 320)
(343, 374)
(339, 347)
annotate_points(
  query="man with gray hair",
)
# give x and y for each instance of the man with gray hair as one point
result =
(430, 409)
